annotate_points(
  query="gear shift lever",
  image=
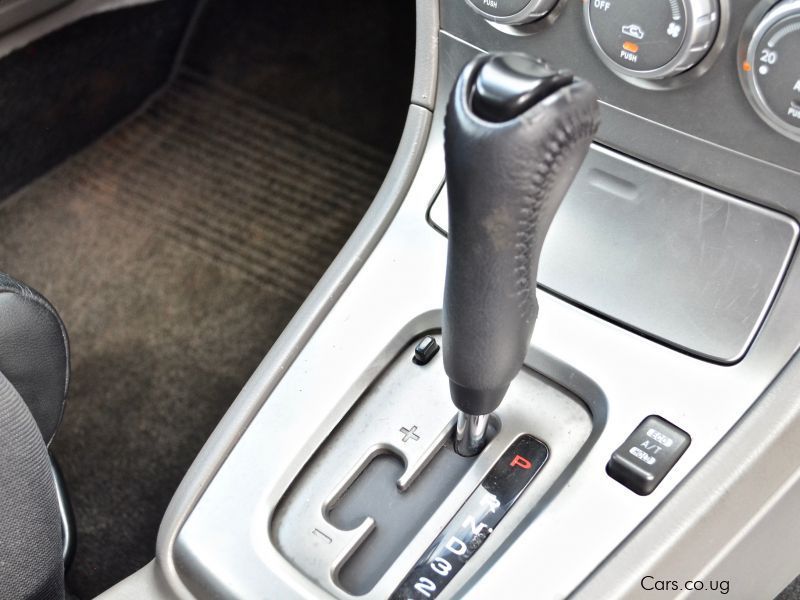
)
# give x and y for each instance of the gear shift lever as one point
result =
(516, 132)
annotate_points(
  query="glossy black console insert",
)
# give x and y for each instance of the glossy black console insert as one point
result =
(476, 520)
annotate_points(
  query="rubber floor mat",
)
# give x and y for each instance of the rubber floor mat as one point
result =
(176, 249)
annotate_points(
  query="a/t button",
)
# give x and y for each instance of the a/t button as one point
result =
(648, 454)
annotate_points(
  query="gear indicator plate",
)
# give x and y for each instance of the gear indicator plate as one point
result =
(475, 520)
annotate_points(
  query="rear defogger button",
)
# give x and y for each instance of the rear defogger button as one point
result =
(648, 455)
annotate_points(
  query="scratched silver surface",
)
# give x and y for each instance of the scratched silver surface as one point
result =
(685, 264)
(408, 396)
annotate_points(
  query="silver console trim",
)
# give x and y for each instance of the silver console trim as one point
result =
(637, 376)
(292, 340)
(408, 394)
(394, 297)
(426, 54)
(752, 541)
(319, 302)
(61, 14)
(719, 324)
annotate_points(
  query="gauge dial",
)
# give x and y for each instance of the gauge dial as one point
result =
(771, 72)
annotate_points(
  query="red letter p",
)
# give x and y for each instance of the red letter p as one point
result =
(520, 461)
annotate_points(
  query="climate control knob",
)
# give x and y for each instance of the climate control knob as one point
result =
(652, 39)
(769, 70)
(512, 12)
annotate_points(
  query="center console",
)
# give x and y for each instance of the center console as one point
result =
(667, 296)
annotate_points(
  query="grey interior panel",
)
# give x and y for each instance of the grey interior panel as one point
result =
(26, 21)
(407, 396)
(702, 266)
(398, 513)
(381, 486)
(17, 12)
(397, 295)
(734, 519)
(310, 316)
(147, 582)
(701, 127)
(678, 261)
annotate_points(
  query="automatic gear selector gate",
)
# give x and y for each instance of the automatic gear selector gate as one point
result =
(404, 492)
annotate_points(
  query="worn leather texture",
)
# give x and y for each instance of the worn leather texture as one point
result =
(31, 563)
(505, 182)
(34, 352)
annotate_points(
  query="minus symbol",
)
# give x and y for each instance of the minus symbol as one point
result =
(324, 537)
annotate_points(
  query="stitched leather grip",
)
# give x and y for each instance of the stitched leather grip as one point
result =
(505, 183)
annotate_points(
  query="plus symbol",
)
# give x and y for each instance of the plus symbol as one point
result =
(409, 433)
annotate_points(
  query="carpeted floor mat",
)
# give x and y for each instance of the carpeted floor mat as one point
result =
(176, 249)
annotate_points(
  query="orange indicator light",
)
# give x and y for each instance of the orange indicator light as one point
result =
(631, 47)
(746, 66)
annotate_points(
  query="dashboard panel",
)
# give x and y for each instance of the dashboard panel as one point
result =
(698, 123)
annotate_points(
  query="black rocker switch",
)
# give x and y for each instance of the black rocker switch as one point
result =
(648, 455)
(425, 350)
